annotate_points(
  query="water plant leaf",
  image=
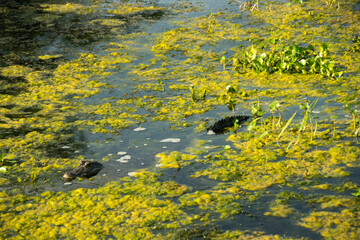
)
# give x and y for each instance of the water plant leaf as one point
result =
(290, 59)
(286, 125)
(274, 106)
(308, 110)
(252, 124)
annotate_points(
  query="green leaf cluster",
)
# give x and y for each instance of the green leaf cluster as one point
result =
(289, 59)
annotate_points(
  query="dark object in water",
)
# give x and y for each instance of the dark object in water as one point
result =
(85, 169)
(219, 126)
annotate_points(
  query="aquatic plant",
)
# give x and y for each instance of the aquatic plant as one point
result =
(289, 59)
(357, 194)
(2, 159)
(250, 5)
(355, 117)
(256, 110)
(308, 109)
(193, 93)
(230, 98)
(275, 106)
(223, 62)
(286, 125)
(356, 44)
(194, 96)
(161, 83)
(331, 3)
(257, 114)
(208, 22)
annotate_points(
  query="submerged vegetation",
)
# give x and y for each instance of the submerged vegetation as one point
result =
(295, 66)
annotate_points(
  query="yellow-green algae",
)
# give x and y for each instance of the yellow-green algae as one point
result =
(50, 93)
(278, 209)
(128, 8)
(134, 209)
(255, 163)
(335, 224)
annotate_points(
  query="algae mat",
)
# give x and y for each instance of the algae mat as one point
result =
(135, 84)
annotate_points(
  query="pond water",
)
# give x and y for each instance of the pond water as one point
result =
(135, 84)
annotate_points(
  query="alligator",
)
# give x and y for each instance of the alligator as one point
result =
(85, 169)
(220, 126)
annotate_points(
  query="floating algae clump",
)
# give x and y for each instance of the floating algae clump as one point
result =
(130, 9)
(343, 224)
(140, 207)
(174, 159)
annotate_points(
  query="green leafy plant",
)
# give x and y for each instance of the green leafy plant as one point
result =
(2, 158)
(308, 109)
(355, 117)
(289, 59)
(286, 125)
(250, 5)
(231, 104)
(230, 96)
(274, 107)
(297, 1)
(193, 93)
(209, 22)
(194, 96)
(313, 129)
(223, 62)
(257, 111)
(161, 83)
(252, 124)
(356, 46)
(5, 161)
(357, 194)
(331, 3)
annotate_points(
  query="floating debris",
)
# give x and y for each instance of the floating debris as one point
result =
(121, 153)
(170, 140)
(124, 159)
(139, 129)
